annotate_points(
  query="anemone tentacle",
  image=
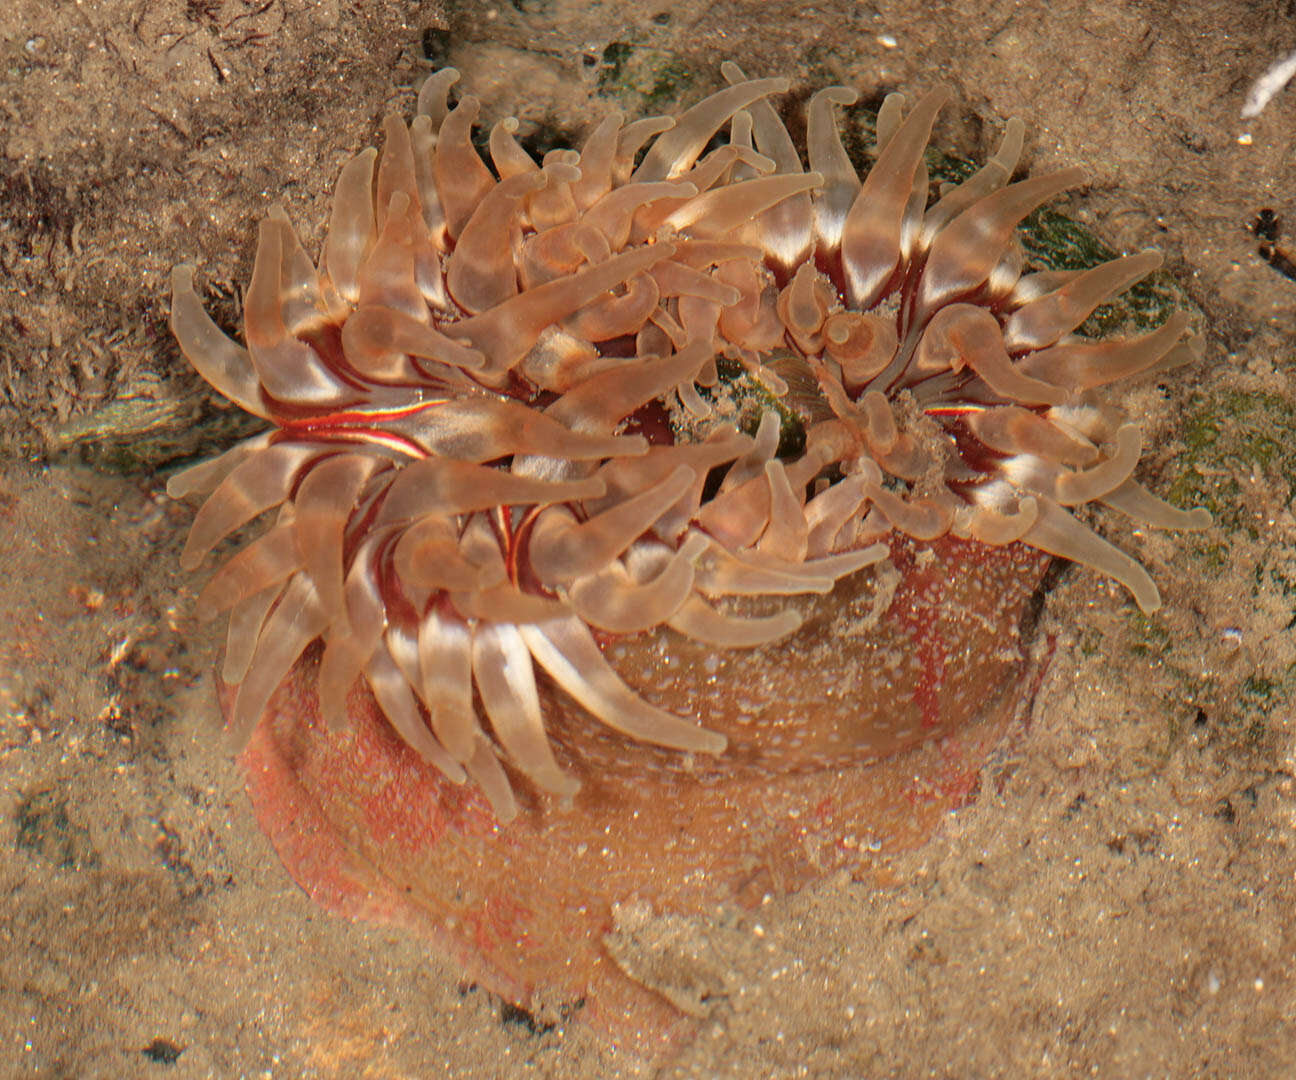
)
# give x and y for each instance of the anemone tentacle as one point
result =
(473, 478)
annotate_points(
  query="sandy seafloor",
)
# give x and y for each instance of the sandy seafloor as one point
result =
(1119, 900)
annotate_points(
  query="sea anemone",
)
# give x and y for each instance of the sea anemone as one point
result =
(503, 436)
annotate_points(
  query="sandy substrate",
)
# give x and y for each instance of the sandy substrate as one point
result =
(1120, 898)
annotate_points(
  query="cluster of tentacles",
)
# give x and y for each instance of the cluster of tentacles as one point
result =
(471, 397)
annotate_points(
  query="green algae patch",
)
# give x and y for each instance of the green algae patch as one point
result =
(1237, 463)
(1229, 436)
(1149, 635)
(1053, 241)
(1262, 696)
(642, 79)
(45, 829)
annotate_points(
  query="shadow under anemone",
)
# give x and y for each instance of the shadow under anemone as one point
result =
(540, 626)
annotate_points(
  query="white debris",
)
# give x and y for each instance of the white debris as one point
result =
(1265, 88)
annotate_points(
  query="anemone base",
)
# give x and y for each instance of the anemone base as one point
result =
(371, 831)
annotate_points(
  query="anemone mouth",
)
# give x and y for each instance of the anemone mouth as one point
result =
(471, 456)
